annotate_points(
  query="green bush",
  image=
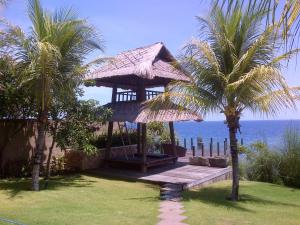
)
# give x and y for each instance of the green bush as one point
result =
(262, 164)
(268, 165)
(290, 160)
(157, 133)
(100, 140)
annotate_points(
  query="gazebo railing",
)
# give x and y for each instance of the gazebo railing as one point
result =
(129, 96)
(152, 94)
(126, 96)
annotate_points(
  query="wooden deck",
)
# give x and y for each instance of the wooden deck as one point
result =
(181, 173)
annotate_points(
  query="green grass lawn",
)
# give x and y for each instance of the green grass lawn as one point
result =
(261, 203)
(80, 199)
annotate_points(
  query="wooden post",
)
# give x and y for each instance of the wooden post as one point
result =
(184, 143)
(218, 148)
(226, 146)
(211, 147)
(138, 130)
(109, 139)
(202, 149)
(172, 137)
(242, 141)
(144, 149)
(193, 149)
(110, 126)
(140, 97)
(114, 95)
(199, 141)
(192, 143)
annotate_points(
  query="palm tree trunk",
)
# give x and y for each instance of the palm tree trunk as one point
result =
(233, 125)
(47, 174)
(38, 155)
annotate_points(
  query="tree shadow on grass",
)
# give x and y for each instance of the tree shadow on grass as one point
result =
(15, 186)
(218, 197)
(144, 199)
(147, 184)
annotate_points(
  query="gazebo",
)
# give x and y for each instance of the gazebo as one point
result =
(136, 71)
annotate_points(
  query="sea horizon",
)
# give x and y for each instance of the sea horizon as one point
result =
(268, 131)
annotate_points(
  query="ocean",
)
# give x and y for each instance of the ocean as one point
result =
(269, 131)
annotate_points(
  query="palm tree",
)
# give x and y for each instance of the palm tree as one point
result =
(285, 14)
(233, 67)
(54, 52)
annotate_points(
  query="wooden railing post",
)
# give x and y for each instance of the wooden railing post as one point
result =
(194, 152)
(199, 141)
(225, 146)
(172, 137)
(218, 148)
(211, 147)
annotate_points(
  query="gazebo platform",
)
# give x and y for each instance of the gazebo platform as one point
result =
(180, 173)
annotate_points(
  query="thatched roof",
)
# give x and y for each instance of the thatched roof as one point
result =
(153, 65)
(137, 112)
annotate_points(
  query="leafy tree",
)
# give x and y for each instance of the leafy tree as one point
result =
(73, 125)
(233, 67)
(76, 130)
(54, 53)
(16, 103)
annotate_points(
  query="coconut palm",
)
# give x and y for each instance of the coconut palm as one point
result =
(54, 53)
(233, 67)
(285, 14)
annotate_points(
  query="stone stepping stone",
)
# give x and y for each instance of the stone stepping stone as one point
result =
(170, 213)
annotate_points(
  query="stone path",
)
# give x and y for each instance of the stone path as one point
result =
(171, 213)
(171, 208)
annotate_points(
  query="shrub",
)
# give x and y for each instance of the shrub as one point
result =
(57, 165)
(157, 133)
(262, 164)
(100, 140)
(290, 159)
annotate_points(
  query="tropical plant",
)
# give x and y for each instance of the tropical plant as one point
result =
(54, 53)
(100, 140)
(16, 104)
(290, 161)
(157, 133)
(262, 164)
(233, 67)
(77, 128)
(284, 14)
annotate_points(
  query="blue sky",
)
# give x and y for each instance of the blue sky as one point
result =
(135, 23)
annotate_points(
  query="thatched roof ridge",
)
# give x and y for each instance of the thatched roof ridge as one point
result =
(137, 112)
(154, 64)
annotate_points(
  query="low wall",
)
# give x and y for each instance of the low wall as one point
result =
(79, 161)
(17, 145)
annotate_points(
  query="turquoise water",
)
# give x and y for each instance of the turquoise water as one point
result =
(270, 131)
